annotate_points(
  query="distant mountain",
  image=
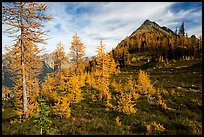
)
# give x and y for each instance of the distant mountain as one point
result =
(89, 58)
(47, 62)
(149, 26)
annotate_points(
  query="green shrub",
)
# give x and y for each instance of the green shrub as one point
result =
(41, 121)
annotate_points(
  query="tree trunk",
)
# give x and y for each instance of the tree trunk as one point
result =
(25, 105)
(102, 75)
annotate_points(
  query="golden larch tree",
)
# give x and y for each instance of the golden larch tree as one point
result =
(23, 20)
(60, 60)
(144, 86)
(105, 66)
(77, 52)
(102, 72)
(126, 96)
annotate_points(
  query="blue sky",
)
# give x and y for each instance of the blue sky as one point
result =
(113, 21)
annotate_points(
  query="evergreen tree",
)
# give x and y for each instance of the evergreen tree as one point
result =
(181, 30)
(176, 32)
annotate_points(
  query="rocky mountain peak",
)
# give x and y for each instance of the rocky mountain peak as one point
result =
(148, 22)
(153, 27)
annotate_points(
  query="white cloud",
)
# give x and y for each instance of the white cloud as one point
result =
(111, 21)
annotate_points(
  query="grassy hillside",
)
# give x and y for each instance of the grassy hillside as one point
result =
(181, 79)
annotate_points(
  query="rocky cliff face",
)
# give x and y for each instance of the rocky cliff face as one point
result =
(48, 61)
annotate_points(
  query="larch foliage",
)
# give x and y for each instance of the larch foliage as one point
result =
(24, 18)
(131, 87)
(116, 86)
(126, 96)
(144, 86)
(6, 96)
(59, 101)
(134, 59)
(125, 103)
(60, 61)
(49, 88)
(71, 86)
(117, 121)
(154, 128)
(74, 91)
(159, 98)
(92, 85)
(65, 80)
(90, 80)
(32, 67)
(77, 52)
(5, 91)
(105, 67)
(114, 68)
(127, 59)
(82, 79)
(62, 107)
(33, 95)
